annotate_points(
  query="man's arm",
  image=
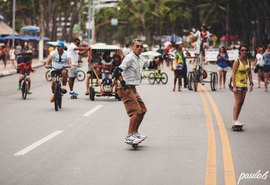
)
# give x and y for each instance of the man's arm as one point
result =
(48, 61)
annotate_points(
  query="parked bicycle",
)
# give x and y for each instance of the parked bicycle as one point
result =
(157, 76)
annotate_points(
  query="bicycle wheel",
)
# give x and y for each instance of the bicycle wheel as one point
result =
(151, 78)
(60, 99)
(213, 81)
(92, 94)
(56, 97)
(164, 78)
(195, 81)
(189, 78)
(48, 76)
(80, 75)
(24, 89)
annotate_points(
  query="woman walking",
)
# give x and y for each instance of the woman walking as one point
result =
(223, 64)
(266, 67)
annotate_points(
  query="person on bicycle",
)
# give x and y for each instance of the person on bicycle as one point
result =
(58, 60)
(74, 50)
(202, 43)
(129, 75)
(25, 67)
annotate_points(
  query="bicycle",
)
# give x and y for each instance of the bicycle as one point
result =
(58, 90)
(199, 74)
(24, 85)
(157, 76)
(80, 75)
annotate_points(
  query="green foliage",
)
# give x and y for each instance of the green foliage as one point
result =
(152, 19)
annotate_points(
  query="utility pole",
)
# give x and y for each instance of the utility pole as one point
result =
(13, 23)
(41, 25)
(227, 24)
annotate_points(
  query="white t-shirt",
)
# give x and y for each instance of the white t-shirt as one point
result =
(259, 58)
(12, 54)
(56, 62)
(73, 54)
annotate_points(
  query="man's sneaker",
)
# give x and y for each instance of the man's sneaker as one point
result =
(64, 90)
(19, 88)
(87, 93)
(29, 92)
(52, 99)
(132, 140)
(140, 136)
(73, 93)
(238, 123)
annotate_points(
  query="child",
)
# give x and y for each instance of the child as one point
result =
(25, 66)
(106, 84)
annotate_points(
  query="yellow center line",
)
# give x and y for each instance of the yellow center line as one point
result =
(229, 174)
(210, 176)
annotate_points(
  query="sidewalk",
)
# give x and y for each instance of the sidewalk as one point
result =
(9, 70)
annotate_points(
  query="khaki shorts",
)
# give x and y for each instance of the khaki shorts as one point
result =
(72, 72)
(132, 101)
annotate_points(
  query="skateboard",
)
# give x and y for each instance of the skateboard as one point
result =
(238, 128)
(73, 97)
(134, 146)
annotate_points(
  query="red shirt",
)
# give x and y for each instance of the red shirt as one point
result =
(25, 66)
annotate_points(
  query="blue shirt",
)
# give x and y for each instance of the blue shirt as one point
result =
(266, 59)
(223, 63)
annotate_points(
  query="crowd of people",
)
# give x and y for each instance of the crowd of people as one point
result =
(127, 67)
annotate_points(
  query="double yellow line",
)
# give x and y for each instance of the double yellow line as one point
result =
(211, 166)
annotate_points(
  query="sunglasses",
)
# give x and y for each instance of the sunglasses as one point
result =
(139, 46)
(244, 50)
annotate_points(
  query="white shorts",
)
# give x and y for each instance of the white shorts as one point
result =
(72, 72)
(222, 69)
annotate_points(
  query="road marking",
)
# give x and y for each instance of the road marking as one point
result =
(210, 176)
(229, 174)
(38, 143)
(92, 110)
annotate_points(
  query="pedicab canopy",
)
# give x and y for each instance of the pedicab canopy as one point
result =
(102, 47)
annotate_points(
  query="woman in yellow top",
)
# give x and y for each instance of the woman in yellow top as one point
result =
(241, 72)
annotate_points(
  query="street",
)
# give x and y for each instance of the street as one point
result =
(190, 141)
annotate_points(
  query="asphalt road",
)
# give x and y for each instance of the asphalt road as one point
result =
(189, 142)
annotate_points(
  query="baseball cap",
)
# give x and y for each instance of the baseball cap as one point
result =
(60, 43)
(179, 42)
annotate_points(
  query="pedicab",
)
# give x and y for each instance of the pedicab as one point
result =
(102, 71)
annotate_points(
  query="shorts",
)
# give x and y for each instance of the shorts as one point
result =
(242, 89)
(54, 73)
(266, 68)
(72, 72)
(178, 73)
(222, 68)
(132, 100)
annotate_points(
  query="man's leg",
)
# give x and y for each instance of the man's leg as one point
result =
(139, 121)
(133, 123)
(71, 83)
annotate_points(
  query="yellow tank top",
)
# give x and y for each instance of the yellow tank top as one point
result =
(241, 76)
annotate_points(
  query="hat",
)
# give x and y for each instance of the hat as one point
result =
(60, 43)
(179, 42)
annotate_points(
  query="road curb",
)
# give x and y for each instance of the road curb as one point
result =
(14, 71)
